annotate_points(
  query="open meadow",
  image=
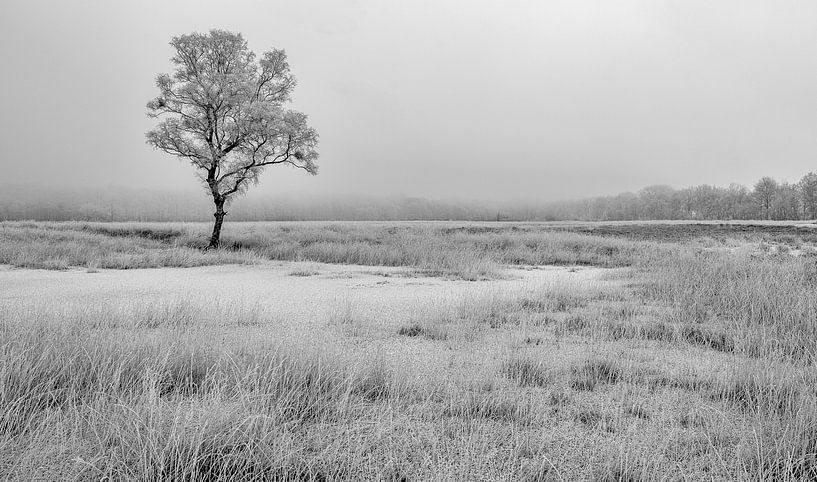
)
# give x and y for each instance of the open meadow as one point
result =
(408, 351)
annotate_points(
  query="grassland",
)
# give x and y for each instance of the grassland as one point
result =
(467, 252)
(680, 361)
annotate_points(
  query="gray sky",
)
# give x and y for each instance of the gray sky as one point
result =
(514, 99)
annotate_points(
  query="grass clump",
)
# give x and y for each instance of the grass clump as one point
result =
(708, 337)
(594, 371)
(567, 300)
(637, 410)
(575, 323)
(650, 330)
(657, 330)
(559, 397)
(622, 311)
(624, 467)
(500, 407)
(759, 390)
(413, 329)
(594, 419)
(526, 371)
(432, 332)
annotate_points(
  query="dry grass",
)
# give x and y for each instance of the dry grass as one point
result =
(470, 253)
(692, 364)
(138, 404)
(527, 371)
(767, 305)
(70, 245)
(594, 371)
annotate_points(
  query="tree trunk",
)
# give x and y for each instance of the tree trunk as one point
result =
(219, 215)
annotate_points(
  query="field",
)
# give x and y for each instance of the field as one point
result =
(408, 351)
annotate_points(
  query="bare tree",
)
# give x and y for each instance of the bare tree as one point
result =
(738, 201)
(765, 190)
(223, 111)
(657, 202)
(808, 192)
(786, 203)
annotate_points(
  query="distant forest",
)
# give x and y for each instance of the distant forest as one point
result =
(767, 199)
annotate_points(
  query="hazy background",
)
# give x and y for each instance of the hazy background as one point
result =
(474, 99)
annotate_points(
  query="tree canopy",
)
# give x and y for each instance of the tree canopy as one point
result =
(223, 110)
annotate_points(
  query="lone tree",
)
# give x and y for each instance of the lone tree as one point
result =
(224, 111)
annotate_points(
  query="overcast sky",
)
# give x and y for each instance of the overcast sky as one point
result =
(495, 99)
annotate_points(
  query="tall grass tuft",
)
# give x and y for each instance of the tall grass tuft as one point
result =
(526, 371)
(594, 371)
(767, 305)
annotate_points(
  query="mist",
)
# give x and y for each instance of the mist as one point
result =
(479, 100)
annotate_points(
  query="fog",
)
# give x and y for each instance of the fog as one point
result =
(472, 99)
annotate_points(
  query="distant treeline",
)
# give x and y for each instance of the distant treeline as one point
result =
(768, 199)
